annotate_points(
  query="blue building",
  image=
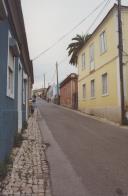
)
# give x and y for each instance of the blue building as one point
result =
(16, 74)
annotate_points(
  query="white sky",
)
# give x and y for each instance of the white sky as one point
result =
(46, 21)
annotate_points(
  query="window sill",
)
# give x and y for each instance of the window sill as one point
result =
(102, 53)
(10, 96)
(92, 97)
(93, 70)
(105, 95)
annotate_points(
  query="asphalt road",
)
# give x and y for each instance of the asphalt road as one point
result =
(87, 157)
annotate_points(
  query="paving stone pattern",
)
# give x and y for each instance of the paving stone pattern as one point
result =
(30, 174)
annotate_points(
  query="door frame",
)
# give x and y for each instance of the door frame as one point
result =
(19, 98)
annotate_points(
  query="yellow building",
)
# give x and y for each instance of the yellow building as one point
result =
(98, 65)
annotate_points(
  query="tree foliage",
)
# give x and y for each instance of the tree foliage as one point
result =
(74, 47)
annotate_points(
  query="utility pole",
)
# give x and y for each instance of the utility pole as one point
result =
(57, 83)
(120, 47)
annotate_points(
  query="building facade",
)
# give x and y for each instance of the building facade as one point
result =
(69, 91)
(99, 71)
(16, 74)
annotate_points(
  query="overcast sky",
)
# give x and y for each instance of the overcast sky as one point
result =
(46, 21)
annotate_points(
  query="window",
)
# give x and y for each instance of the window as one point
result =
(84, 91)
(105, 84)
(103, 44)
(10, 74)
(25, 78)
(92, 65)
(92, 88)
(83, 61)
(24, 91)
(10, 80)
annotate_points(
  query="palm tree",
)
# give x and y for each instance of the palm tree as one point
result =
(75, 47)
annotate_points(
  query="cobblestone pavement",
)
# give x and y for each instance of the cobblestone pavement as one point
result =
(29, 175)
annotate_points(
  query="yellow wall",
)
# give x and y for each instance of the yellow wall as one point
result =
(110, 28)
(107, 62)
(100, 100)
(125, 48)
(104, 63)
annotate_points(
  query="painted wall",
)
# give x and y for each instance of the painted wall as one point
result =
(125, 55)
(66, 95)
(69, 93)
(8, 106)
(12, 26)
(105, 106)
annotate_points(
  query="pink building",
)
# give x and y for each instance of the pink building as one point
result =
(69, 91)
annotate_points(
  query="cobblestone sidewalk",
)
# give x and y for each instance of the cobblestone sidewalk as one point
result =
(30, 175)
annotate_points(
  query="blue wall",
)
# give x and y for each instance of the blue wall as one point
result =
(8, 106)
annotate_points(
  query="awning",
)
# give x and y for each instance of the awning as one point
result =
(14, 46)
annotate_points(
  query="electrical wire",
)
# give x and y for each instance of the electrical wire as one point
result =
(65, 35)
(63, 60)
(99, 14)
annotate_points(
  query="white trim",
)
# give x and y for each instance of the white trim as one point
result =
(27, 98)
(83, 61)
(19, 101)
(118, 83)
(93, 89)
(8, 93)
(92, 51)
(125, 82)
(102, 38)
(104, 94)
(24, 92)
(25, 78)
(84, 91)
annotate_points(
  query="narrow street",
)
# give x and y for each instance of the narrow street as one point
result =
(86, 157)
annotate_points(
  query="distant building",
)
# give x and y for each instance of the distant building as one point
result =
(48, 93)
(16, 74)
(69, 91)
(99, 70)
(52, 93)
(40, 92)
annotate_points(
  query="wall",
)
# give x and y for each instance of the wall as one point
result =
(68, 94)
(125, 55)
(8, 106)
(104, 106)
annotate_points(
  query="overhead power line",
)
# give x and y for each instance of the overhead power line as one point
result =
(65, 35)
(98, 15)
(95, 20)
